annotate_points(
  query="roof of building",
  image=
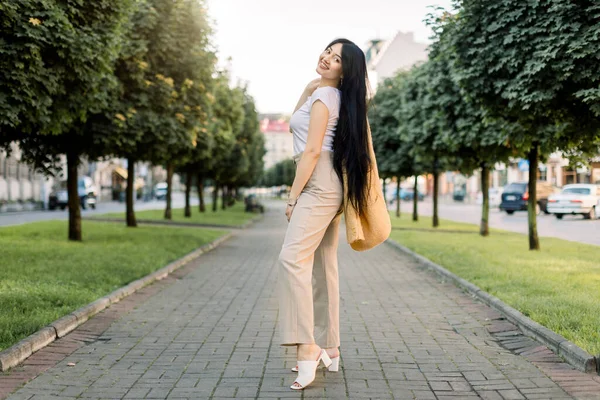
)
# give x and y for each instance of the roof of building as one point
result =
(271, 125)
(383, 48)
(374, 48)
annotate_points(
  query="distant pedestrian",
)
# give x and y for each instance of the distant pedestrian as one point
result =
(330, 139)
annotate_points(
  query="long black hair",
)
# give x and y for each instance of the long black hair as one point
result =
(351, 141)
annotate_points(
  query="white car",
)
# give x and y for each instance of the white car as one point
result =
(495, 196)
(86, 189)
(577, 198)
(160, 190)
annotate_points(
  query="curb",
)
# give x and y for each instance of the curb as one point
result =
(180, 224)
(573, 354)
(20, 351)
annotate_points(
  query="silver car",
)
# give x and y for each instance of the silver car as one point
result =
(577, 198)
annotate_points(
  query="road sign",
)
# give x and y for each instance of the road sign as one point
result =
(523, 165)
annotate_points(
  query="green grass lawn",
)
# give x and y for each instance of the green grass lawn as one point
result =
(43, 276)
(233, 216)
(558, 287)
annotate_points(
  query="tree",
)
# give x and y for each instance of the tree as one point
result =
(473, 140)
(533, 64)
(417, 131)
(282, 173)
(164, 74)
(253, 141)
(226, 119)
(195, 170)
(51, 81)
(179, 51)
(237, 160)
(392, 152)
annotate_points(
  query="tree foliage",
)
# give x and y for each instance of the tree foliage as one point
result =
(128, 78)
(57, 63)
(533, 64)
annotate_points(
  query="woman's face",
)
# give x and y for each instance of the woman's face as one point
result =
(330, 62)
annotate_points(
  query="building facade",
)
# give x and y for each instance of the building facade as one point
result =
(555, 170)
(278, 139)
(22, 188)
(385, 58)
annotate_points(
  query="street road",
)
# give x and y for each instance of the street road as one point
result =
(17, 218)
(573, 228)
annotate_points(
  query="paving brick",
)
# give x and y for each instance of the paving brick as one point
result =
(210, 330)
(511, 394)
(437, 386)
(489, 395)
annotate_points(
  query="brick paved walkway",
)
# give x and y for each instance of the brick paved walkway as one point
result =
(209, 331)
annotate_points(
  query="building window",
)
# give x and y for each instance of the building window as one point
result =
(12, 169)
(542, 174)
(503, 178)
(569, 176)
(23, 171)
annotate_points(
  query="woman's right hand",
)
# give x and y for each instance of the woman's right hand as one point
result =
(312, 86)
(288, 211)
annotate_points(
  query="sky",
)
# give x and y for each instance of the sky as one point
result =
(274, 45)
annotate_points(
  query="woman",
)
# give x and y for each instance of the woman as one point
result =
(329, 126)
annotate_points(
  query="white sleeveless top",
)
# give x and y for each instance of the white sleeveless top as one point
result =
(331, 97)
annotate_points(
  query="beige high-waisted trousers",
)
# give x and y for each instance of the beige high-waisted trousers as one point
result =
(308, 283)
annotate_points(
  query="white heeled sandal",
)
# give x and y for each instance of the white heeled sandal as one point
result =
(334, 367)
(307, 370)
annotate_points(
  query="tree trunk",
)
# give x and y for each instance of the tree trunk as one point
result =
(223, 197)
(188, 191)
(384, 192)
(233, 196)
(215, 197)
(415, 216)
(74, 201)
(200, 186)
(131, 222)
(436, 187)
(398, 197)
(170, 169)
(484, 227)
(534, 242)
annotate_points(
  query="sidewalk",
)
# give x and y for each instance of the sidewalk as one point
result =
(210, 332)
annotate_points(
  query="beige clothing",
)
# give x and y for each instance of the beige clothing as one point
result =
(373, 226)
(308, 282)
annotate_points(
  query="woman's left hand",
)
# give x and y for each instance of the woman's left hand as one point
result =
(288, 211)
(312, 86)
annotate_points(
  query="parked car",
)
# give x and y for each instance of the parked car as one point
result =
(459, 194)
(515, 197)
(160, 190)
(495, 195)
(59, 197)
(407, 194)
(577, 198)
